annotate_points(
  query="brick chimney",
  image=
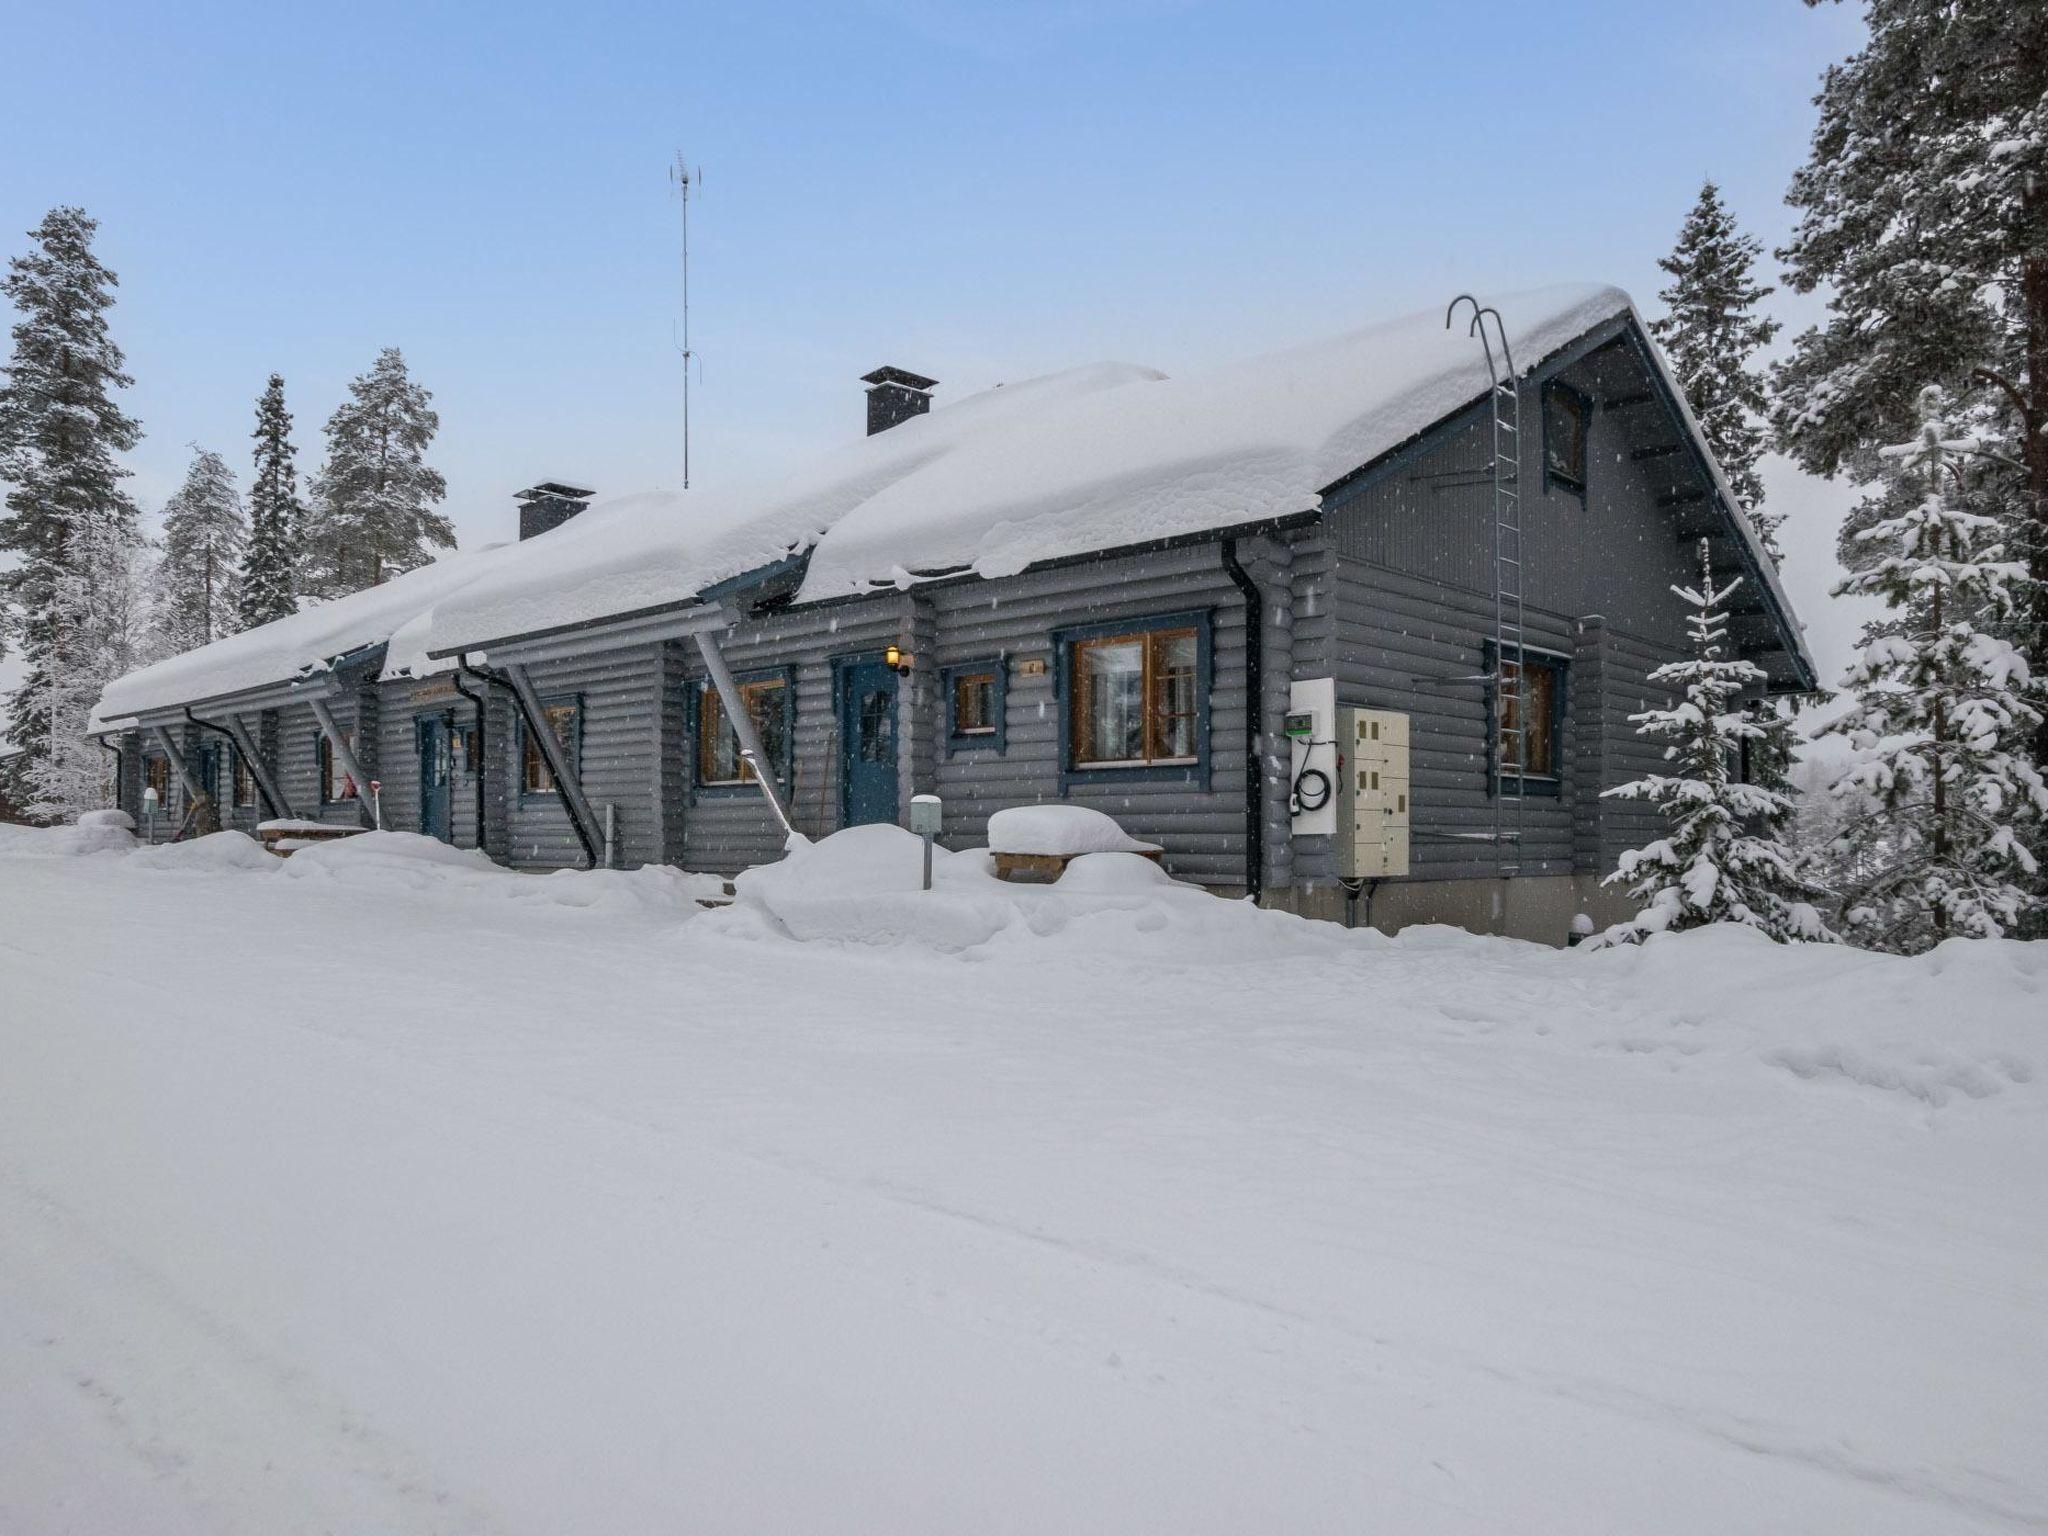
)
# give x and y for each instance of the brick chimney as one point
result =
(549, 505)
(898, 395)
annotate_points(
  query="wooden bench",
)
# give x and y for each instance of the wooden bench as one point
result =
(1048, 867)
(283, 838)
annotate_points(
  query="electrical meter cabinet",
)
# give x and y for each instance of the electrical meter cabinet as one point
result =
(1372, 793)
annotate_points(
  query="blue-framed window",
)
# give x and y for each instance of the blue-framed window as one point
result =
(1567, 423)
(1540, 701)
(156, 775)
(976, 705)
(1134, 699)
(336, 787)
(564, 716)
(769, 696)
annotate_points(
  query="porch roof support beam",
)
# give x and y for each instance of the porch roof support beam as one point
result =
(735, 711)
(273, 793)
(345, 755)
(589, 830)
(193, 787)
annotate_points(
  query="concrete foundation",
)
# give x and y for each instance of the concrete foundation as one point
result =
(1535, 907)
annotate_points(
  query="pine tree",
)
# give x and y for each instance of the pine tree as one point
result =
(197, 584)
(1725, 860)
(1924, 218)
(373, 511)
(1943, 709)
(65, 510)
(102, 609)
(269, 574)
(1710, 331)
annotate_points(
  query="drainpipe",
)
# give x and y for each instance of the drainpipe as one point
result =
(257, 770)
(1255, 715)
(582, 820)
(476, 769)
(118, 763)
(743, 727)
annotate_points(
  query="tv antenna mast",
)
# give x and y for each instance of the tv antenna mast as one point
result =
(682, 177)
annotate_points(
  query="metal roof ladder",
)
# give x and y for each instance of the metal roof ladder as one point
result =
(1504, 681)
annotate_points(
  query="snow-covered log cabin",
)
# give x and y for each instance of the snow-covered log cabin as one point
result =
(1214, 607)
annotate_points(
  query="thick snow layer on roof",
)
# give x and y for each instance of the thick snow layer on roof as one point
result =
(307, 641)
(1094, 458)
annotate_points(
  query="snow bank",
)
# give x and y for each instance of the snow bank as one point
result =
(220, 852)
(89, 835)
(862, 886)
(1059, 829)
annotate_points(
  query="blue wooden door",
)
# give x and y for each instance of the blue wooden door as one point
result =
(436, 790)
(208, 769)
(867, 742)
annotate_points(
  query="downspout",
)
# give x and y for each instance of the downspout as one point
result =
(483, 756)
(257, 770)
(565, 781)
(1255, 715)
(118, 765)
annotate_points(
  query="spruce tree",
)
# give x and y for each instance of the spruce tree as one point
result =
(373, 511)
(1710, 331)
(1943, 709)
(66, 513)
(269, 575)
(197, 586)
(1725, 860)
(1924, 218)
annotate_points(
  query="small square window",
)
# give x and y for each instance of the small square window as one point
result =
(974, 693)
(1564, 436)
(1529, 720)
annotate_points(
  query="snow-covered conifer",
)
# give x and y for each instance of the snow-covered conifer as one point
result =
(1924, 221)
(197, 581)
(1710, 330)
(269, 576)
(1944, 707)
(60, 430)
(373, 511)
(1724, 860)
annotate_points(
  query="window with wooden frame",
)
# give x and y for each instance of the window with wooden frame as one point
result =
(1565, 413)
(766, 700)
(156, 775)
(242, 783)
(1135, 698)
(974, 693)
(335, 784)
(563, 718)
(1529, 720)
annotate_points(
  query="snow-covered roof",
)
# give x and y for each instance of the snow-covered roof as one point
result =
(1098, 457)
(307, 641)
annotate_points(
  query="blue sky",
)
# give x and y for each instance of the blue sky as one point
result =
(977, 191)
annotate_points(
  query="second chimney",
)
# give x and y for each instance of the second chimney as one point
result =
(549, 505)
(898, 395)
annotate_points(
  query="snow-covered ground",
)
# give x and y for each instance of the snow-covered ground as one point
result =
(379, 1192)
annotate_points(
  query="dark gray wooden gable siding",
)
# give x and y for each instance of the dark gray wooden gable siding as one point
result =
(1412, 607)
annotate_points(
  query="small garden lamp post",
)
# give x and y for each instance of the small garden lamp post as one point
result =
(926, 813)
(150, 800)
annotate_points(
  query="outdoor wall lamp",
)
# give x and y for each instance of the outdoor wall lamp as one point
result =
(899, 659)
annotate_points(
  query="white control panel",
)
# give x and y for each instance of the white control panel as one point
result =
(1372, 793)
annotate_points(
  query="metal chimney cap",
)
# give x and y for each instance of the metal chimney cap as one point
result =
(903, 376)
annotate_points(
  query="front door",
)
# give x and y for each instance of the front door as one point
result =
(867, 741)
(436, 803)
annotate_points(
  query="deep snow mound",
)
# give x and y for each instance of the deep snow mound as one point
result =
(95, 832)
(863, 886)
(221, 852)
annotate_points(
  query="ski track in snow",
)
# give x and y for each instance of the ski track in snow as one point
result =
(474, 1214)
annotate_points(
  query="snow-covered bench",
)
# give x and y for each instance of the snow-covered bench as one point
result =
(287, 834)
(1038, 842)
